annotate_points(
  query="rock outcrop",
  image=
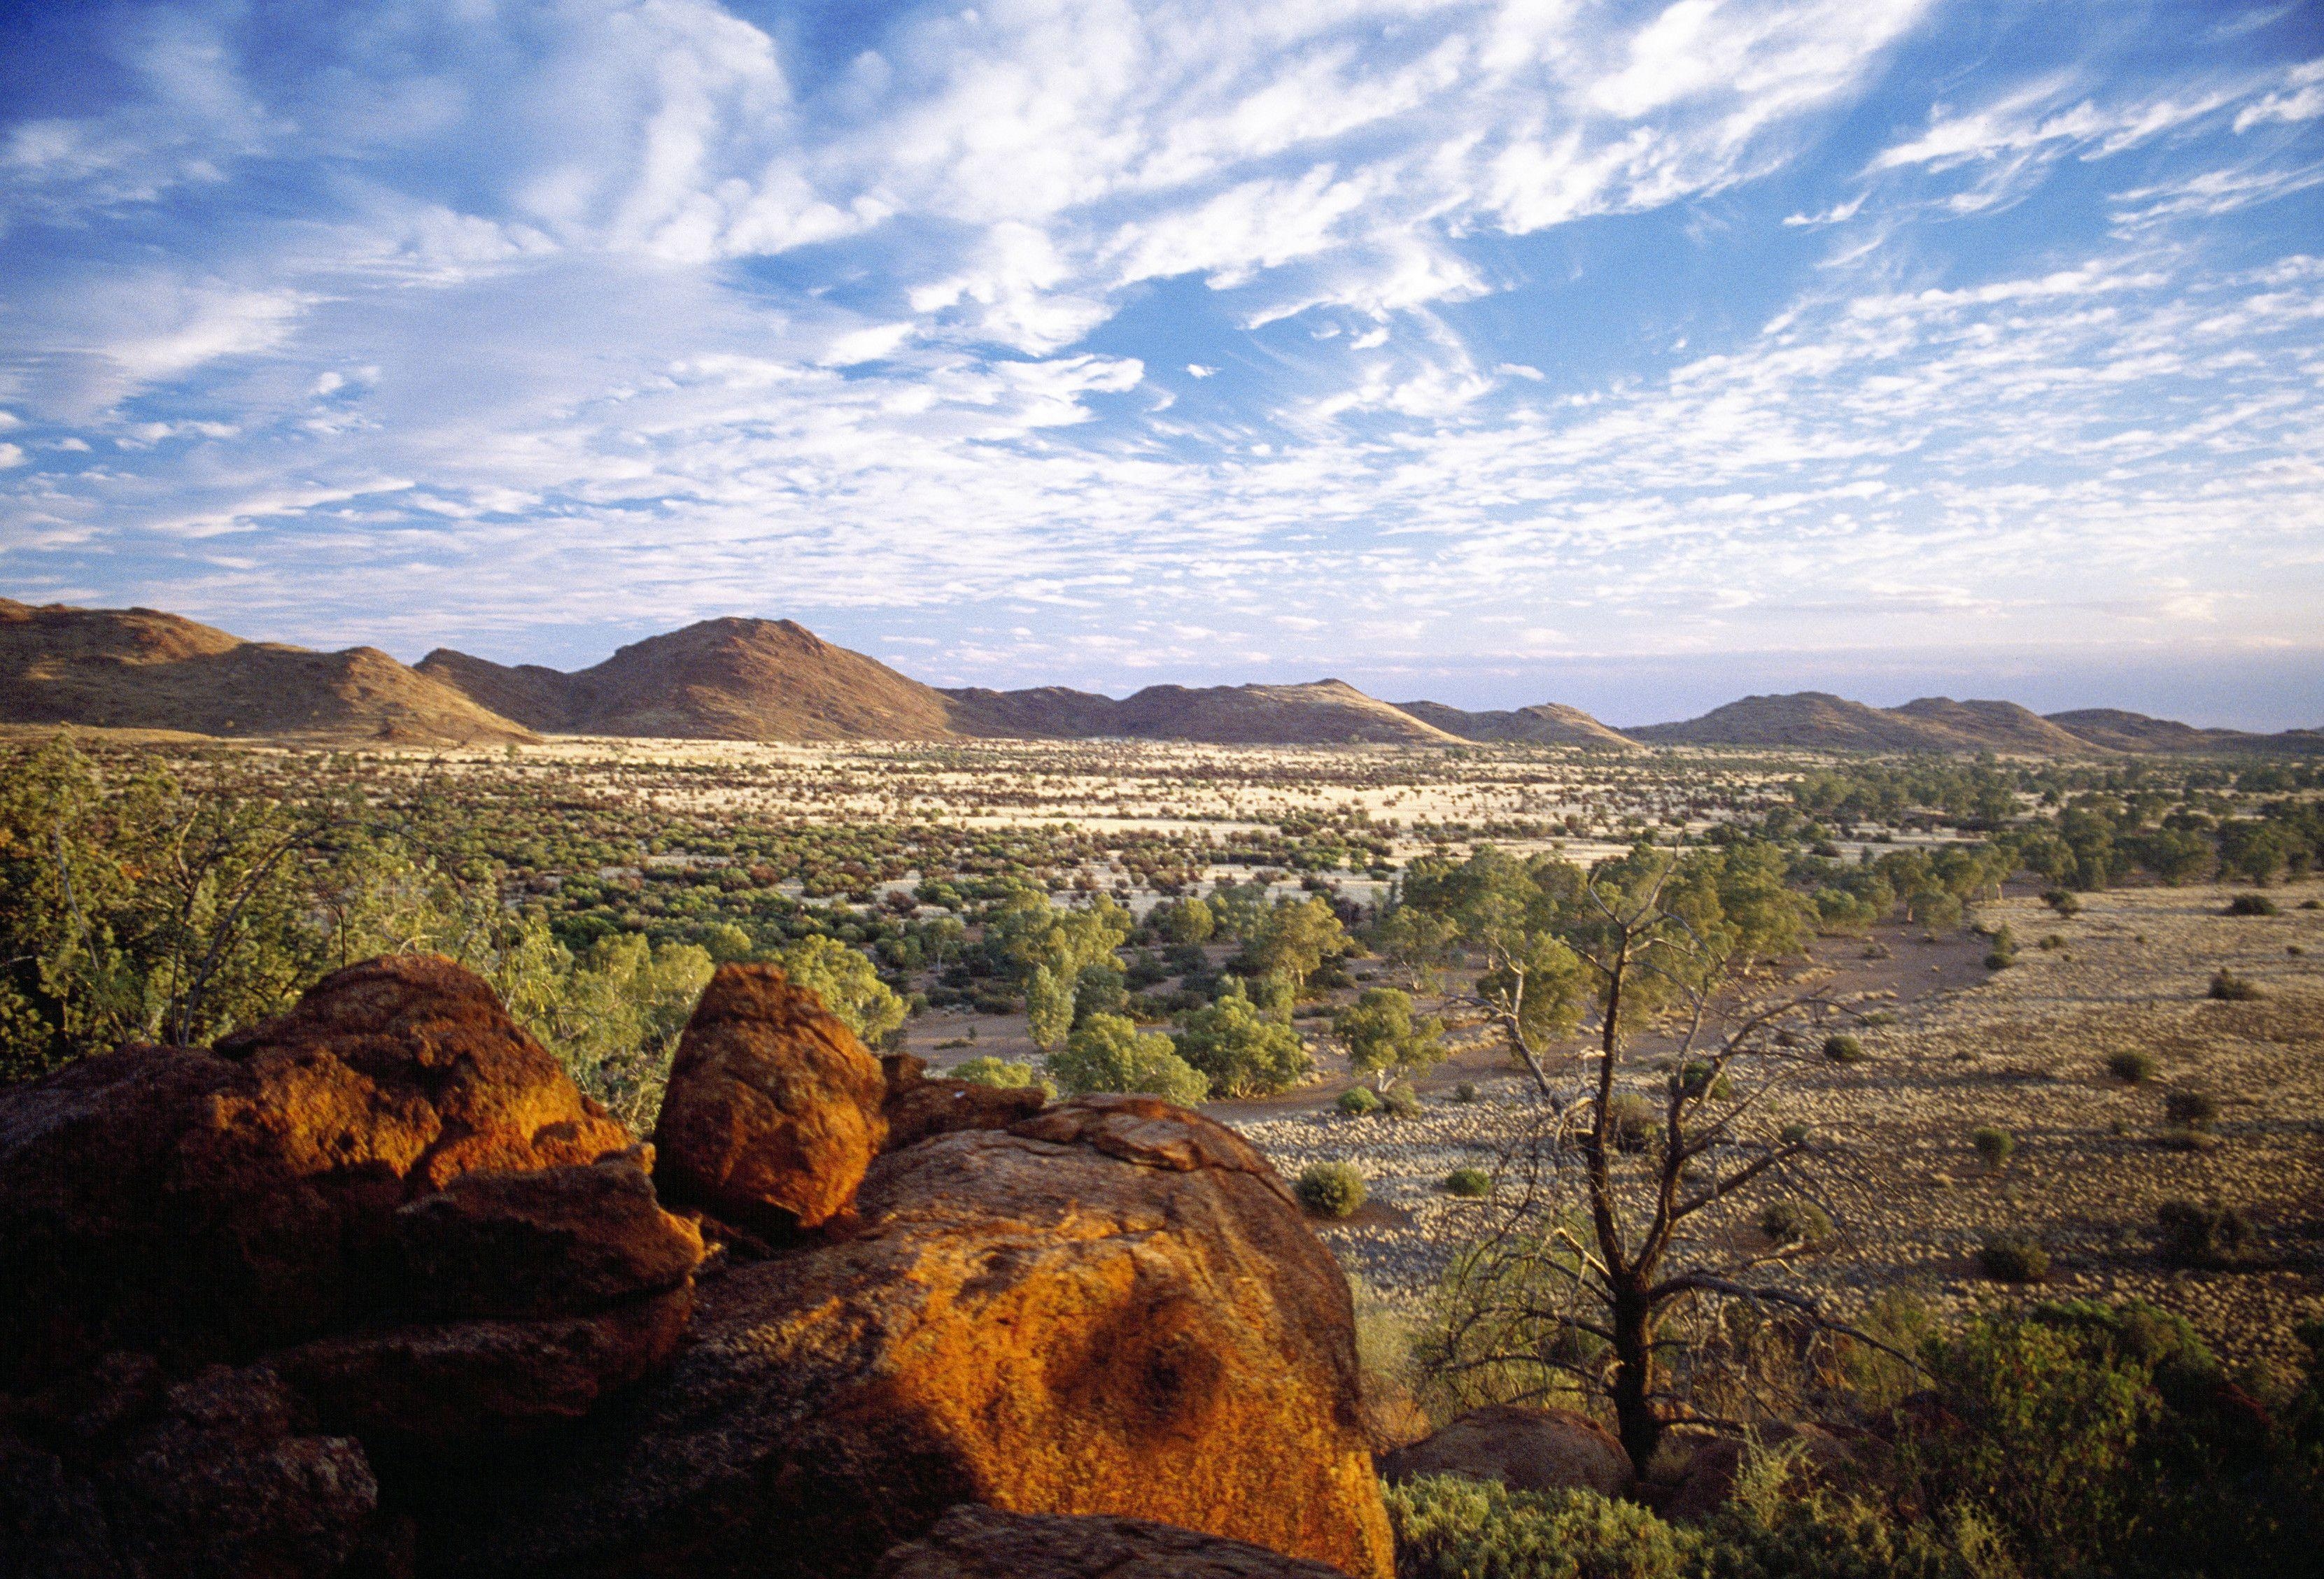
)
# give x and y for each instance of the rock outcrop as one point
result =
(373, 1290)
(208, 1204)
(1527, 1449)
(773, 1110)
(386, 1220)
(1112, 1308)
(983, 1543)
(919, 1108)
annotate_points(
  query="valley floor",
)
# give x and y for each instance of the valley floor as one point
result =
(2025, 1049)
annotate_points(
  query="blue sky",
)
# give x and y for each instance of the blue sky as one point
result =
(1629, 355)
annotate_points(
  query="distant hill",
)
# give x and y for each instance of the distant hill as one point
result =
(1816, 720)
(718, 680)
(776, 680)
(2118, 731)
(142, 669)
(1999, 726)
(1809, 719)
(1546, 723)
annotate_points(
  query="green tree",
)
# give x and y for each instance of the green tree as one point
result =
(847, 984)
(1049, 1007)
(1294, 939)
(1107, 1052)
(1183, 922)
(1240, 1049)
(1383, 1038)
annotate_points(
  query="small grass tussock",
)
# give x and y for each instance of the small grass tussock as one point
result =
(1843, 1049)
(2229, 988)
(1994, 1145)
(2013, 1257)
(1471, 1182)
(2131, 1068)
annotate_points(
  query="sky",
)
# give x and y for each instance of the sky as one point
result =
(1634, 356)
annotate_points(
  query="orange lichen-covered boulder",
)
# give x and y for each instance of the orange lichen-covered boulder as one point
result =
(1116, 1307)
(1525, 1448)
(773, 1109)
(918, 1108)
(214, 1204)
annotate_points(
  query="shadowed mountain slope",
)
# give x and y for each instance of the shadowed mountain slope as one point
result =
(1819, 721)
(142, 669)
(1546, 723)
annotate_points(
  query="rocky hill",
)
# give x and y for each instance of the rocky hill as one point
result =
(1546, 723)
(143, 669)
(1325, 712)
(718, 680)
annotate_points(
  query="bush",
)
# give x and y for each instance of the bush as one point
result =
(1999, 960)
(1449, 1526)
(2197, 1235)
(2252, 905)
(1843, 1049)
(1400, 1102)
(2133, 1068)
(1469, 1181)
(1994, 1145)
(1631, 1121)
(2193, 1110)
(1793, 1134)
(1795, 1222)
(1466, 1091)
(994, 1071)
(1331, 1189)
(1356, 1101)
(2229, 987)
(2063, 902)
(1696, 1079)
(2014, 1258)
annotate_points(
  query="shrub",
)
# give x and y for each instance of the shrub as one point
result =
(1843, 1049)
(1466, 1091)
(1994, 1145)
(2063, 902)
(2229, 987)
(1999, 960)
(2252, 905)
(2198, 1235)
(1400, 1102)
(1795, 1222)
(2193, 1110)
(1356, 1101)
(1469, 1181)
(995, 1071)
(1793, 1134)
(1331, 1189)
(2131, 1068)
(1631, 1121)
(2014, 1258)
(1449, 1526)
(1696, 1079)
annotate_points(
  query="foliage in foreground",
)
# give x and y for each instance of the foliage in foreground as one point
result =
(2075, 1439)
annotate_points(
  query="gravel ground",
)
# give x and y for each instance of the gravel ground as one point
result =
(2025, 1049)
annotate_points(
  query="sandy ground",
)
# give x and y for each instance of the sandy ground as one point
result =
(2024, 1049)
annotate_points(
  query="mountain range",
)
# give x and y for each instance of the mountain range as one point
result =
(775, 680)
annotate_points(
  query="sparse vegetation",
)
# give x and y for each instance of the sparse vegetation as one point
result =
(2229, 988)
(1994, 1145)
(2132, 1066)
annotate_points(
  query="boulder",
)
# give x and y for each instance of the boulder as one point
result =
(210, 1204)
(773, 1108)
(972, 1542)
(919, 1108)
(441, 1384)
(213, 1478)
(1524, 1448)
(1114, 1307)
(1708, 1479)
(538, 1243)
